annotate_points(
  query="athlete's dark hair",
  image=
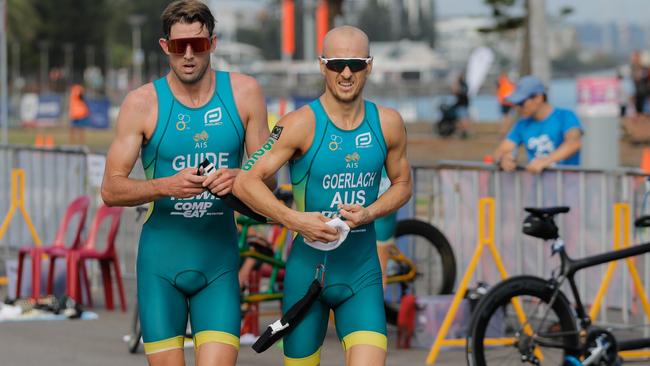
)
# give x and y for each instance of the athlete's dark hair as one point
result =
(186, 11)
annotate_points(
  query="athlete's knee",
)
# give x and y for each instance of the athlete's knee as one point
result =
(168, 357)
(216, 353)
(364, 355)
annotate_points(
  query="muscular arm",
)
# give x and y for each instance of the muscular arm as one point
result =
(139, 108)
(397, 168)
(257, 127)
(250, 188)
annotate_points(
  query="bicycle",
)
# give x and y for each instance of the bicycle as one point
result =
(529, 320)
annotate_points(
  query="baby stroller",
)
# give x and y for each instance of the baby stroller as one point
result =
(448, 119)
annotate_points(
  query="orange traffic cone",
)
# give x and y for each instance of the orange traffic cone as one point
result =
(645, 160)
(38, 141)
(49, 141)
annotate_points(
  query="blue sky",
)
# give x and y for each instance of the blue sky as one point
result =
(634, 11)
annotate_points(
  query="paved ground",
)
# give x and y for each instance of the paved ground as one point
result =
(99, 343)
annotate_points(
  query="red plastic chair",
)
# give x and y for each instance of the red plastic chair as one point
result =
(79, 206)
(106, 257)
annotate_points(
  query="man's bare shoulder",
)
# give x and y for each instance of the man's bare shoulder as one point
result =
(243, 84)
(390, 117)
(142, 100)
(302, 119)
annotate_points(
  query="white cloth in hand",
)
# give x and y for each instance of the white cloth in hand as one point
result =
(343, 230)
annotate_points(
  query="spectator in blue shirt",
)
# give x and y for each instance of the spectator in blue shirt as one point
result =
(550, 135)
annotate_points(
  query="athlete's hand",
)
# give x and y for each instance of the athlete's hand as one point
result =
(311, 225)
(508, 163)
(537, 165)
(184, 184)
(355, 215)
(220, 182)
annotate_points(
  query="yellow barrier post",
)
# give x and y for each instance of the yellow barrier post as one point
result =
(18, 202)
(485, 238)
(621, 229)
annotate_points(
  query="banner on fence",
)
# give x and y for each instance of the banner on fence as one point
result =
(42, 110)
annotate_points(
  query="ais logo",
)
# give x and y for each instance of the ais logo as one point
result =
(352, 160)
(201, 140)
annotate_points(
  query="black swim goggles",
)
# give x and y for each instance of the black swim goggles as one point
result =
(338, 64)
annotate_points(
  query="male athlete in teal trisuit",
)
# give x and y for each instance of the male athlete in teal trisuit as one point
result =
(337, 147)
(188, 257)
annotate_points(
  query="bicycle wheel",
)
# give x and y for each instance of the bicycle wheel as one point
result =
(497, 337)
(433, 258)
(136, 332)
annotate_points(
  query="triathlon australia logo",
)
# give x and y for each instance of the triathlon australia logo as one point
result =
(183, 122)
(542, 145)
(335, 143)
(352, 160)
(277, 131)
(212, 117)
(363, 140)
(201, 140)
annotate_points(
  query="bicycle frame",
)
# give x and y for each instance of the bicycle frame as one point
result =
(569, 267)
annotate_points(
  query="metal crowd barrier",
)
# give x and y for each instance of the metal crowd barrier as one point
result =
(53, 178)
(445, 195)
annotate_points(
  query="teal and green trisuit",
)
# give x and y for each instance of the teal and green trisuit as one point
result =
(188, 257)
(341, 166)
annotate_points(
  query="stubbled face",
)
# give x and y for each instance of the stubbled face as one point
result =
(345, 86)
(530, 106)
(191, 66)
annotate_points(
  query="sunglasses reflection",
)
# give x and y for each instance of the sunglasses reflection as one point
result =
(179, 45)
(339, 64)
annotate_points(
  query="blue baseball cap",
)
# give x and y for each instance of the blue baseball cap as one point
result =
(528, 86)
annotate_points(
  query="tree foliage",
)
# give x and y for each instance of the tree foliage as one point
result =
(22, 20)
(504, 19)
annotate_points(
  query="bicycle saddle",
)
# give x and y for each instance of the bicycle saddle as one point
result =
(547, 211)
(643, 221)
